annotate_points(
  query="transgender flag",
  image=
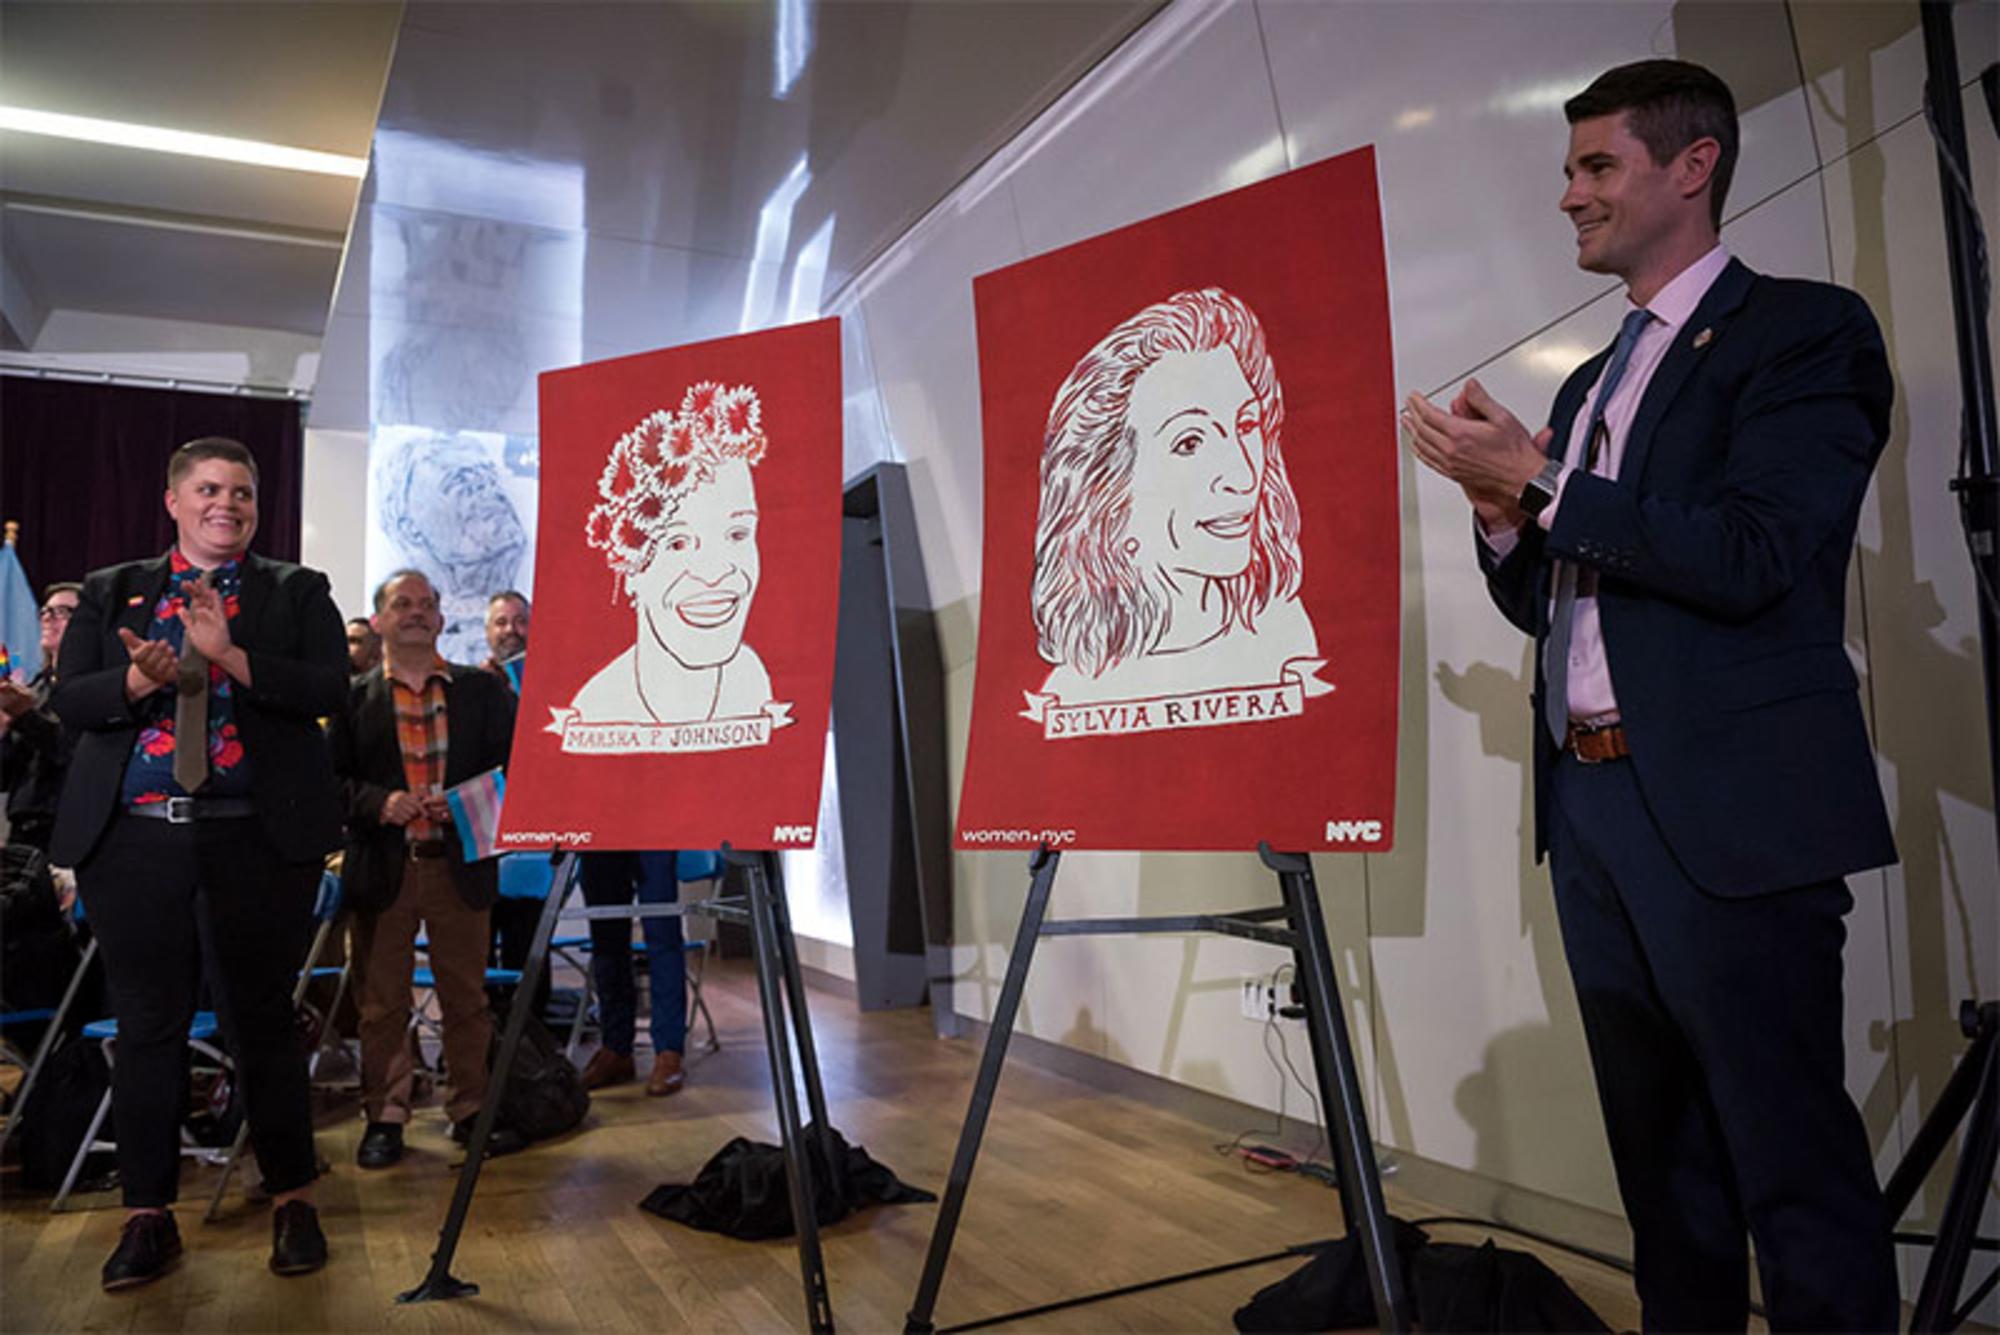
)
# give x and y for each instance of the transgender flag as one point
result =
(475, 810)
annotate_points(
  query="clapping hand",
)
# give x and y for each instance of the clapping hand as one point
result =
(206, 619)
(154, 664)
(1479, 445)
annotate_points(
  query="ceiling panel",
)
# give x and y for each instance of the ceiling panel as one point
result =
(172, 274)
(307, 75)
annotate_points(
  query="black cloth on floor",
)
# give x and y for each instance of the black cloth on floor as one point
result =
(743, 1192)
(1330, 1292)
(1485, 1288)
(1452, 1287)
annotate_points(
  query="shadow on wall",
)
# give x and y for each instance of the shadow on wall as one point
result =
(1927, 747)
(1513, 1078)
(1499, 700)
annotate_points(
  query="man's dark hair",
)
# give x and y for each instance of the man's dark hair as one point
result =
(514, 594)
(382, 589)
(364, 621)
(209, 447)
(61, 586)
(1668, 104)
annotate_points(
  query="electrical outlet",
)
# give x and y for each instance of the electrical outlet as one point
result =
(1260, 999)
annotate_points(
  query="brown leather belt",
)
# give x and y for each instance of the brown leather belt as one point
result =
(1595, 743)
(426, 848)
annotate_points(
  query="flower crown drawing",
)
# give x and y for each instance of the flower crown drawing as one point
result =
(654, 466)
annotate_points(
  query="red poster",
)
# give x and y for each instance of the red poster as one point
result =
(1188, 621)
(687, 568)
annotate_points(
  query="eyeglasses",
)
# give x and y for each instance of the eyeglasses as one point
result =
(56, 612)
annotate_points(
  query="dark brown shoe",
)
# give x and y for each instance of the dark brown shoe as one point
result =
(297, 1245)
(667, 1077)
(147, 1249)
(606, 1067)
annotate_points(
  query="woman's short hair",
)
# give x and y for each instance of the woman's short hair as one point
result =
(1094, 606)
(656, 464)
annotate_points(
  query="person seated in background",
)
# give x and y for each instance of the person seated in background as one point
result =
(364, 646)
(616, 878)
(33, 750)
(411, 730)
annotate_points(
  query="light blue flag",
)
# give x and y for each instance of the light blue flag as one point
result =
(20, 620)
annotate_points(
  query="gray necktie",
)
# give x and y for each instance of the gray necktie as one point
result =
(1555, 650)
(191, 722)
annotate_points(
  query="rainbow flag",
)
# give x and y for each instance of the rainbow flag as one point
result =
(475, 813)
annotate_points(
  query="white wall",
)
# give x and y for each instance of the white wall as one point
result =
(1448, 947)
(333, 528)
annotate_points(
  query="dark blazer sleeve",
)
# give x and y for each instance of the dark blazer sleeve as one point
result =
(1514, 580)
(362, 792)
(1808, 424)
(90, 679)
(310, 682)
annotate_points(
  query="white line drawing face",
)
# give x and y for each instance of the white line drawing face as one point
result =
(1167, 541)
(1197, 467)
(694, 596)
(677, 523)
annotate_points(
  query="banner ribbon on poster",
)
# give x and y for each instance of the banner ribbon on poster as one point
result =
(715, 734)
(1223, 707)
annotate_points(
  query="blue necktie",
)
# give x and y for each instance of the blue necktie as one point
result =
(1555, 650)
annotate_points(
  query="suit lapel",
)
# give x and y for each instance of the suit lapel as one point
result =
(1690, 346)
(377, 719)
(253, 595)
(136, 615)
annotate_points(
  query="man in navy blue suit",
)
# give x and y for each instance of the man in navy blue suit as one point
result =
(1677, 542)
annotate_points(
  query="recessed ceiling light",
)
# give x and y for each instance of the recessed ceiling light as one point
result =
(150, 137)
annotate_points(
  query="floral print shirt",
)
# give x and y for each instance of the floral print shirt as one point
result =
(149, 775)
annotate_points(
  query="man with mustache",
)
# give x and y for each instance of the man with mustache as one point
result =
(411, 730)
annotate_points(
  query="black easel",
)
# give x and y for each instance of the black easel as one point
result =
(1973, 1095)
(781, 989)
(1304, 932)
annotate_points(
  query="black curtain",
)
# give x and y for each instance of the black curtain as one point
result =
(84, 468)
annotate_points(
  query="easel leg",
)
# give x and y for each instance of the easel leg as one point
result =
(798, 1169)
(1978, 1076)
(1346, 1116)
(795, 1000)
(1043, 869)
(438, 1283)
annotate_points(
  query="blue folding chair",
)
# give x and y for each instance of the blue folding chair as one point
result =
(105, 1033)
(689, 867)
(51, 1036)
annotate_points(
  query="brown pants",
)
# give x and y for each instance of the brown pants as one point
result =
(385, 954)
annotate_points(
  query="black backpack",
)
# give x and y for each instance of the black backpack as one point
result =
(544, 1095)
(37, 952)
(58, 1112)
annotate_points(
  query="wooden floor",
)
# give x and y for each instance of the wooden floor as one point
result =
(1077, 1191)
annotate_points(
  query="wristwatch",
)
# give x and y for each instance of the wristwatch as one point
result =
(1541, 489)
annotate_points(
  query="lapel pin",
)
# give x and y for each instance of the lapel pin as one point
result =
(1704, 338)
(135, 600)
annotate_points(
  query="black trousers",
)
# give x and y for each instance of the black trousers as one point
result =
(1714, 1027)
(163, 899)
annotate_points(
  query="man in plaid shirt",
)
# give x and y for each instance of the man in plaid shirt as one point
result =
(414, 728)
